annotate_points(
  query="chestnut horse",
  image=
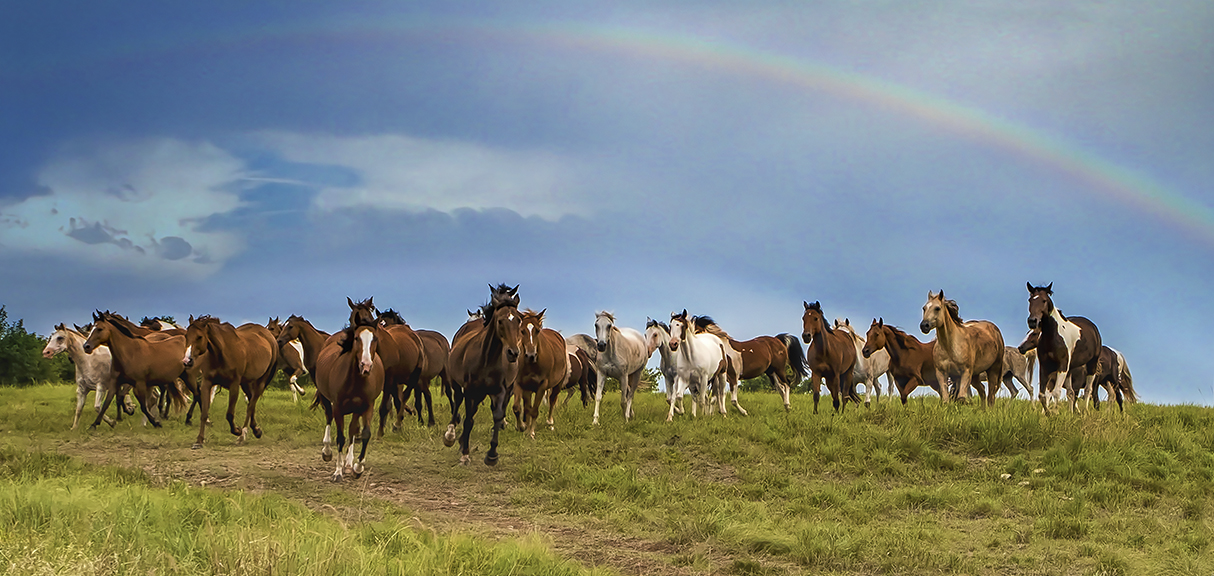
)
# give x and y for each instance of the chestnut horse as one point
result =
(349, 377)
(310, 339)
(912, 363)
(144, 362)
(435, 350)
(543, 367)
(240, 359)
(400, 351)
(1064, 344)
(484, 363)
(964, 350)
(830, 355)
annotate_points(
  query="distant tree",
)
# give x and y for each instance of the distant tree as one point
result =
(21, 361)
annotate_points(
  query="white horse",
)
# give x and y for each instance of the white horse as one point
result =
(657, 337)
(700, 364)
(733, 359)
(867, 370)
(94, 372)
(621, 354)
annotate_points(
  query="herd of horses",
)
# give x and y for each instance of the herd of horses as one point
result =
(503, 353)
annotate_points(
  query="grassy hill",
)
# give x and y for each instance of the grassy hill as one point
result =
(922, 489)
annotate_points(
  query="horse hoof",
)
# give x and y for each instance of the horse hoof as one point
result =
(348, 470)
(359, 469)
(196, 446)
(866, 404)
(257, 432)
(326, 456)
(463, 460)
(337, 476)
(449, 437)
(490, 460)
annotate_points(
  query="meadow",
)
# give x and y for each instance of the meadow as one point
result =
(921, 489)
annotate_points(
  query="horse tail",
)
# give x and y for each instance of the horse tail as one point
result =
(796, 356)
(176, 393)
(1127, 380)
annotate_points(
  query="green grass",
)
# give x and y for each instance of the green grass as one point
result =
(889, 490)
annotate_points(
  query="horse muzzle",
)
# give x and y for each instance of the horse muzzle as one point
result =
(511, 355)
(674, 345)
(806, 337)
(87, 349)
(925, 327)
(602, 346)
(866, 352)
(1032, 323)
(530, 357)
(187, 362)
(47, 354)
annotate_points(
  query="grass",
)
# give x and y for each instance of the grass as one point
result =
(889, 490)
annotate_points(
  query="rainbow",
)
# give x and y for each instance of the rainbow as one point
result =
(1097, 174)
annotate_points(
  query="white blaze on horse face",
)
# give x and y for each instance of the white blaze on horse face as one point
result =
(365, 361)
(188, 354)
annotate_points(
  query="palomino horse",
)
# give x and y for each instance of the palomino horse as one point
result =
(435, 350)
(544, 367)
(701, 363)
(349, 377)
(830, 355)
(94, 372)
(400, 350)
(868, 367)
(964, 350)
(1065, 344)
(657, 339)
(290, 359)
(142, 361)
(620, 353)
(235, 359)
(912, 363)
(484, 362)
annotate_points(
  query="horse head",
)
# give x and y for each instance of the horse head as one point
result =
(56, 343)
(507, 325)
(1031, 340)
(197, 338)
(367, 347)
(274, 326)
(603, 323)
(680, 329)
(362, 313)
(99, 334)
(656, 334)
(532, 325)
(290, 330)
(933, 311)
(1040, 303)
(390, 317)
(875, 339)
(813, 322)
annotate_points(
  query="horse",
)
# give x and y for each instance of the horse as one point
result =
(581, 376)
(657, 339)
(911, 363)
(586, 343)
(770, 356)
(142, 361)
(94, 372)
(1114, 375)
(161, 325)
(733, 358)
(311, 340)
(1019, 367)
(241, 359)
(964, 350)
(290, 359)
(400, 351)
(349, 378)
(484, 363)
(701, 363)
(543, 367)
(435, 350)
(1065, 344)
(830, 355)
(620, 353)
(868, 368)
(160, 395)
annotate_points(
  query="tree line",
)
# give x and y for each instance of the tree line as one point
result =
(21, 361)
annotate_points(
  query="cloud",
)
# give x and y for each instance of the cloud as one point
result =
(138, 205)
(400, 172)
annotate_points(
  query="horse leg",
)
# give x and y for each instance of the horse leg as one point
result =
(516, 405)
(497, 403)
(456, 398)
(471, 403)
(942, 380)
(105, 406)
(98, 395)
(326, 451)
(254, 393)
(598, 393)
(429, 407)
(817, 386)
(389, 392)
(677, 389)
(364, 435)
(81, 395)
(348, 465)
(554, 396)
(341, 444)
(141, 393)
(833, 385)
(204, 400)
(531, 402)
(234, 395)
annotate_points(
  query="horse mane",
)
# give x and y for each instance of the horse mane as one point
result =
(392, 315)
(663, 325)
(122, 325)
(529, 313)
(501, 296)
(707, 324)
(953, 311)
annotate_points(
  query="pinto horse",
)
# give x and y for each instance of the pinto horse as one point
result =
(830, 355)
(701, 363)
(1064, 344)
(581, 376)
(619, 353)
(1114, 376)
(144, 362)
(435, 350)
(290, 359)
(311, 340)
(912, 363)
(484, 363)
(240, 359)
(349, 377)
(543, 367)
(964, 350)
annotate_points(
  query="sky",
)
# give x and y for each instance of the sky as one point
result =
(256, 160)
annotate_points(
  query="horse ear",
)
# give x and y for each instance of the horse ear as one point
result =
(96, 316)
(847, 321)
(350, 302)
(1049, 289)
(78, 328)
(514, 290)
(541, 314)
(59, 326)
(1029, 285)
(806, 304)
(684, 312)
(881, 321)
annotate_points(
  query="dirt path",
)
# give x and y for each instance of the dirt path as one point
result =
(438, 493)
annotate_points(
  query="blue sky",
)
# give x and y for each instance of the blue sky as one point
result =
(250, 161)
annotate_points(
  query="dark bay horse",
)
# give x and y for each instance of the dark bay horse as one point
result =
(964, 350)
(235, 359)
(484, 363)
(144, 362)
(349, 377)
(912, 363)
(1114, 376)
(1065, 344)
(435, 350)
(830, 355)
(543, 367)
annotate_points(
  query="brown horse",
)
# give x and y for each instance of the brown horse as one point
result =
(543, 367)
(912, 363)
(830, 355)
(310, 340)
(581, 376)
(1114, 376)
(144, 362)
(290, 358)
(349, 377)
(400, 350)
(764, 355)
(235, 359)
(964, 350)
(484, 363)
(1065, 344)
(435, 350)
